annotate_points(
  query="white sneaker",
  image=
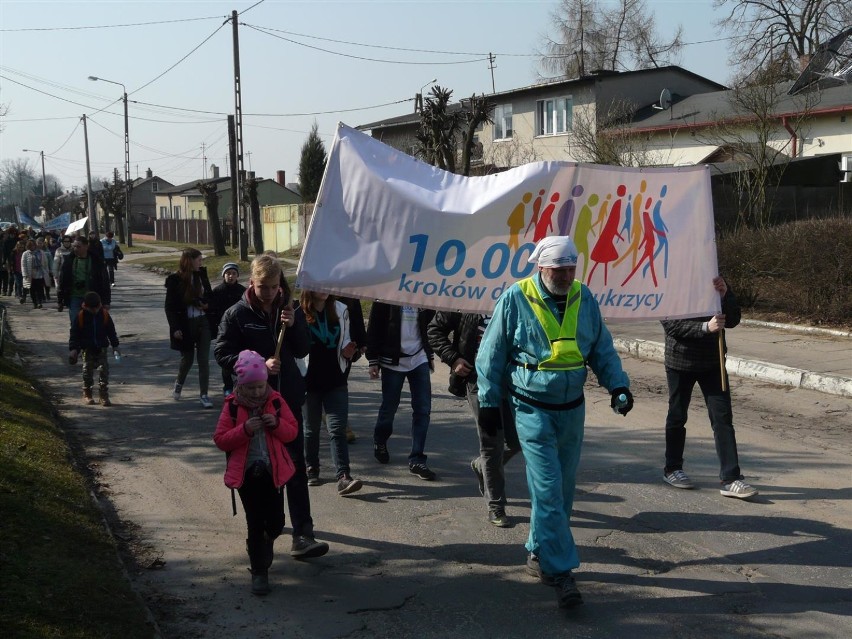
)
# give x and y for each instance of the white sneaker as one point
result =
(205, 402)
(738, 489)
(678, 479)
(177, 390)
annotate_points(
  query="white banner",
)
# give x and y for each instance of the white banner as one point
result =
(76, 226)
(391, 228)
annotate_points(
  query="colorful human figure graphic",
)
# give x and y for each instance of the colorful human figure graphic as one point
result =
(545, 222)
(583, 230)
(648, 242)
(601, 218)
(604, 251)
(662, 231)
(536, 207)
(635, 227)
(516, 220)
(565, 217)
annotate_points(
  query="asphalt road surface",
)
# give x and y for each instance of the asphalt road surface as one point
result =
(418, 559)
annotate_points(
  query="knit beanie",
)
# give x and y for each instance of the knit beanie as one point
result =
(228, 267)
(250, 367)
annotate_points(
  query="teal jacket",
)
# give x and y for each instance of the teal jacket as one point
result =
(515, 335)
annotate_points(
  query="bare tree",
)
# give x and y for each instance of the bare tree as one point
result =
(446, 128)
(18, 181)
(112, 198)
(752, 135)
(210, 194)
(589, 37)
(251, 201)
(779, 35)
(605, 137)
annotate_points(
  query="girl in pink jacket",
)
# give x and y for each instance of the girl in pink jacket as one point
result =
(254, 426)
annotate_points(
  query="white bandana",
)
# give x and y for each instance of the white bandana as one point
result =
(556, 251)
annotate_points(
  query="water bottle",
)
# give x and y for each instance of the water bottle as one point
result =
(117, 357)
(620, 402)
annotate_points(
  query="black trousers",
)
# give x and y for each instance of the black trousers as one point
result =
(298, 499)
(264, 508)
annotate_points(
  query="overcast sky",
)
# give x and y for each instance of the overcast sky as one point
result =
(300, 61)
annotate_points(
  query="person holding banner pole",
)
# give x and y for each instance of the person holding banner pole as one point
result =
(695, 351)
(264, 315)
(544, 331)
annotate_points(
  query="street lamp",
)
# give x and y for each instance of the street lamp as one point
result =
(418, 97)
(126, 158)
(43, 178)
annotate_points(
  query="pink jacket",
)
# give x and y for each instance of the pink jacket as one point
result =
(231, 437)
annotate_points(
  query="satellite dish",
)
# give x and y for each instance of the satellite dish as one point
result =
(665, 99)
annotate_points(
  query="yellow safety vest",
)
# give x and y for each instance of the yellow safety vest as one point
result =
(565, 355)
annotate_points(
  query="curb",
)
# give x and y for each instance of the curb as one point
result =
(747, 368)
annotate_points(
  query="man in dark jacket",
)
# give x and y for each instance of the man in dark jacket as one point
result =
(397, 346)
(255, 323)
(82, 272)
(692, 356)
(459, 353)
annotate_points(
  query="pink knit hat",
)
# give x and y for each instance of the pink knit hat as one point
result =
(250, 367)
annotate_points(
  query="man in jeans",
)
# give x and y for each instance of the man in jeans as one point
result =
(82, 272)
(397, 346)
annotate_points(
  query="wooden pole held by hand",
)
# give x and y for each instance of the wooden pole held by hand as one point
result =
(280, 341)
(721, 359)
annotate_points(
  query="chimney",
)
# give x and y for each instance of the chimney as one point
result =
(280, 178)
(250, 175)
(214, 170)
(149, 173)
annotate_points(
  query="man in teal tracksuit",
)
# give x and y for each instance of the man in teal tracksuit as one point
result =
(544, 332)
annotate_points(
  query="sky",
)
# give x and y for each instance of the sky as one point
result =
(301, 62)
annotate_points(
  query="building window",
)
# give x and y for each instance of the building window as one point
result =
(164, 213)
(154, 186)
(503, 122)
(553, 116)
(177, 212)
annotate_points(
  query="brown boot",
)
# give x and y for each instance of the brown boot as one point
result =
(103, 395)
(88, 400)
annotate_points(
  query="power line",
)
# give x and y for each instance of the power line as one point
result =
(108, 26)
(357, 57)
(66, 139)
(251, 7)
(196, 48)
(276, 115)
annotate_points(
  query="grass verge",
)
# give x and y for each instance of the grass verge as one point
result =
(59, 570)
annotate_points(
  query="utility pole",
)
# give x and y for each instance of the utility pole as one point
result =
(93, 219)
(203, 162)
(238, 135)
(127, 208)
(235, 195)
(491, 59)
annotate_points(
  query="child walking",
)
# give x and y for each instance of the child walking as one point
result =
(253, 427)
(92, 332)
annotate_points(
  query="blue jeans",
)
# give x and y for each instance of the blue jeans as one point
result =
(74, 306)
(718, 404)
(336, 405)
(420, 386)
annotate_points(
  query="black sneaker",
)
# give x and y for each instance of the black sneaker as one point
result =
(422, 471)
(306, 547)
(533, 569)
(313, 476)
(497, 517)
(478, 472)
(566, 591)
(260, 583)
(381, 453)
(346, 485)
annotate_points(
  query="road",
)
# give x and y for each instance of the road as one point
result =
(418, 559)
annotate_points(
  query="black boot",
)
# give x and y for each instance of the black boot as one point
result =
(257, 552)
